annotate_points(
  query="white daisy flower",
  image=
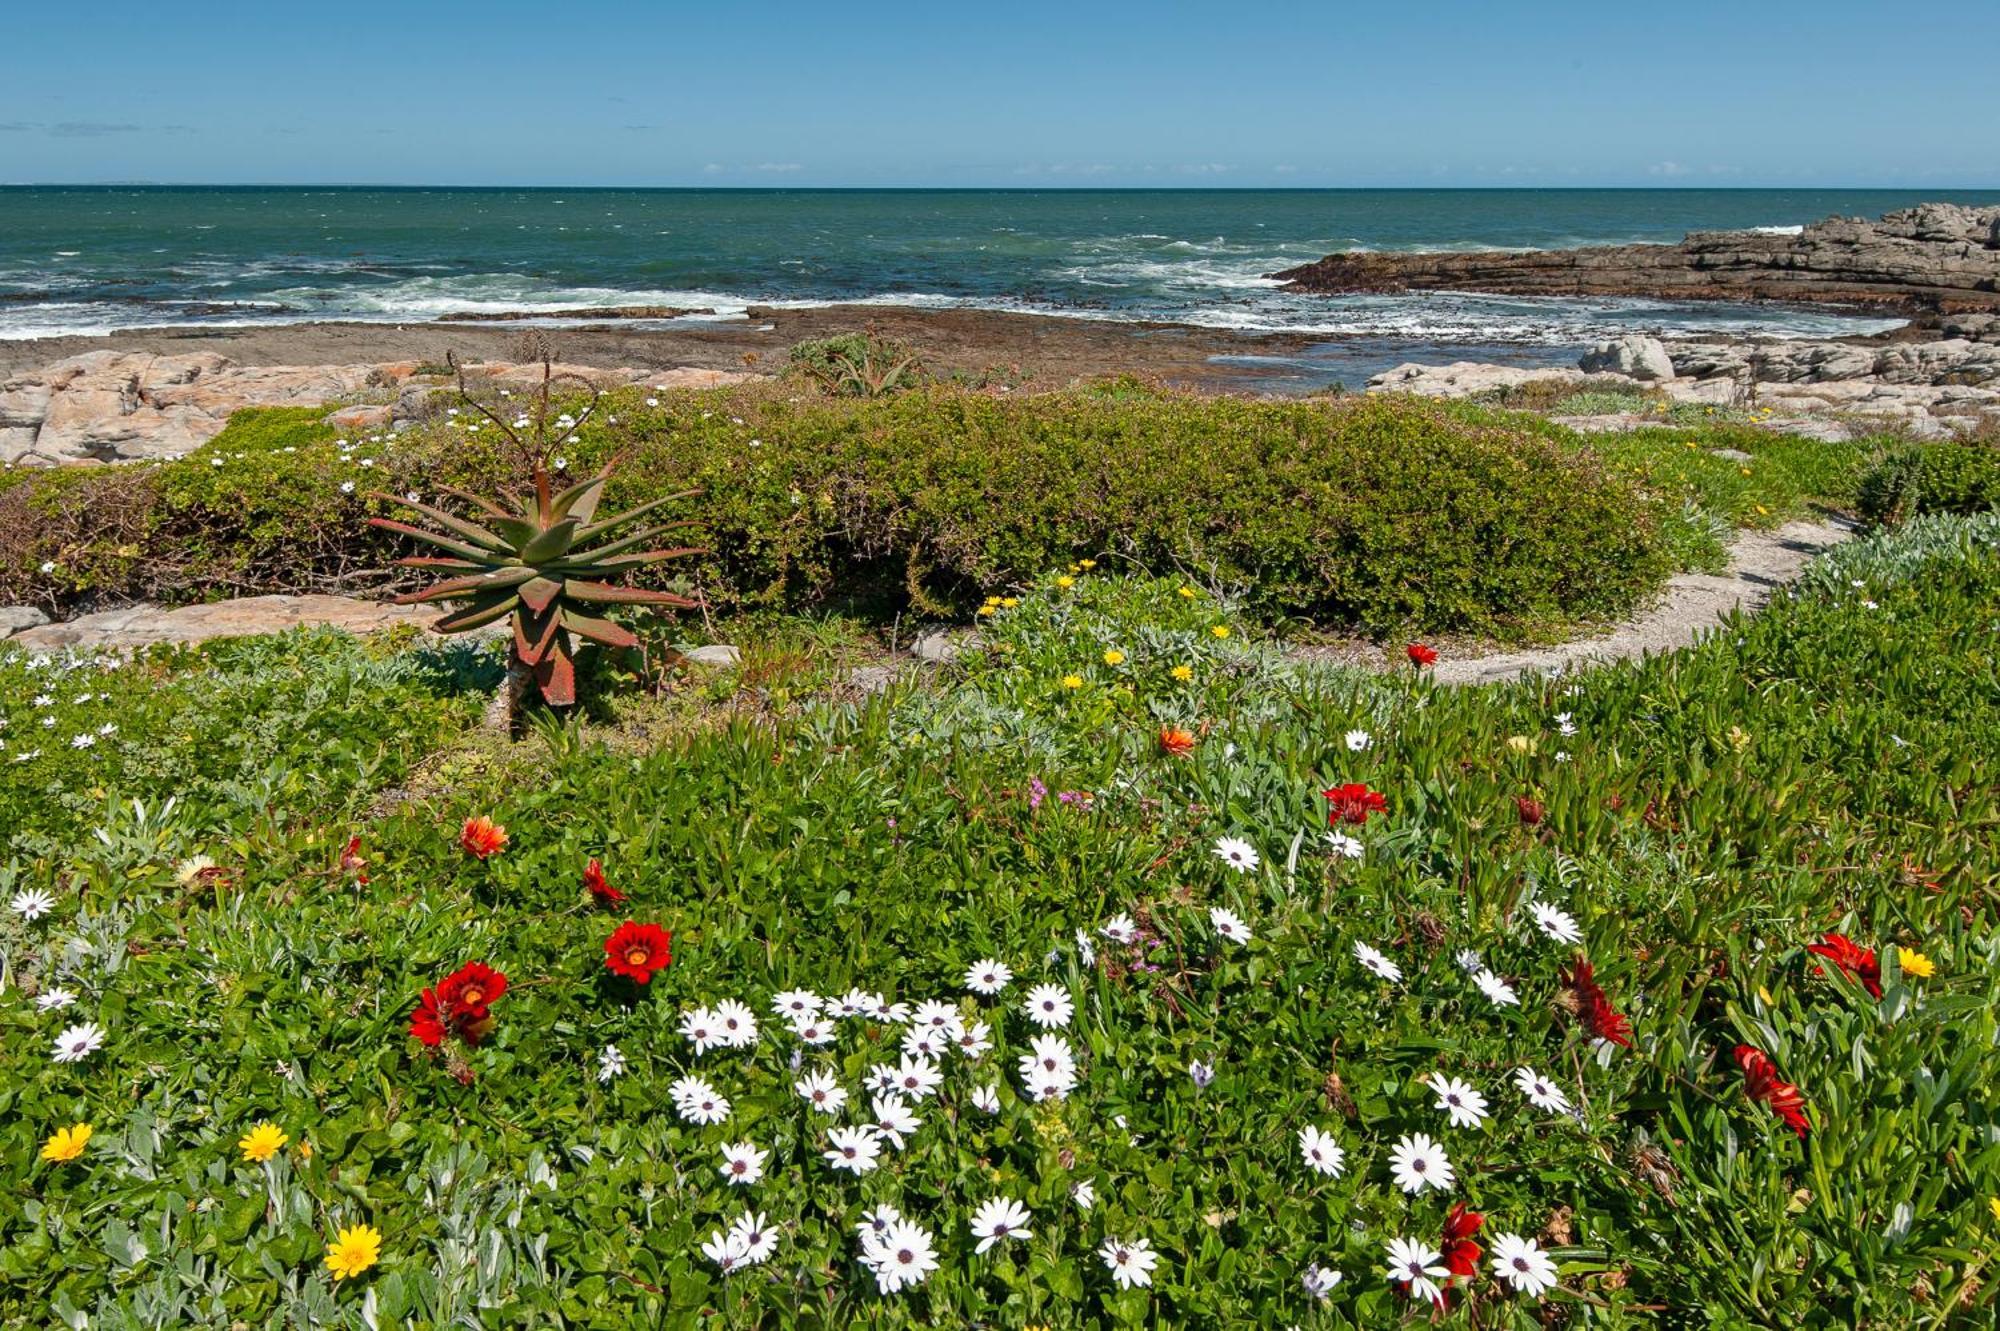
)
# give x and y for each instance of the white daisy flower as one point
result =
(900, 1257)
(1120, 929)
(697, 1101)
(1565, 725)
(895, 1120)
(822, 1092)
(877, 1221)
(1130, 1261)
(1540, 1091)
(934, 1015)
(1322, 1154)
(1238, 854)
(78, 1042)
(1228, 925)
(1345, 846)
(1377, 963)
(54, 1000)
(742, 1164)
(999, 1219)
(610, 1064)
(1469, 960)
(1419, 1267)
(1048, 1069)
(702, 1027)
(1417, 1163)
(917, 1078)
(1084, 1195)
(1498, 992)
(987, 977)
(925, 1042)
(1358, 740)
(856, 1150)
(974, 1040)
(797, 1005)
(1319, 1281)
(1466, 1106)
(32, 904)
(1086, 951)
(738, 1023)
(1048, 1006)
(1201, 1074)
(1558, 924)
(813, 1030)
(1522, 1264)
(755, 1235)
(986, 1099)
(726, 1250)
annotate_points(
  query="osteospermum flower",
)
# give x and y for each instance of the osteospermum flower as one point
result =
(1418, 1163)
(738, 1023)
(1238, 854)
(66, 1144)
(637, 950)
(974, 1040)
(1498, 992)
(698, 1102)
(894, 1119)
(482, 838)
(54, 1000)
(1540, 1091)
(610, 1064)
(742, 1164)
(1130, 1261)
(797, 1004)
(1418, 1268)
(353, 1250)
(986, 1099)
(1377, 963)
(1523, 1265)
(726, 1250)
(32, 904)
(262, 1142)
(1345, 846)
(988, 976)
(856, 1150)
(1228, 925)
(1322, 1154)
(916, 1078)
(1558, 924)
(754, 1237)
(1465, 1106)
(600, 891)
(1319, 1281)
(1048, 1006)
(1120, 929)
(1358, 741)
(997, 1220)
(822, 1092)
(1084, 1195)
(901, 1256)
(78, 1042)
(700, 1026)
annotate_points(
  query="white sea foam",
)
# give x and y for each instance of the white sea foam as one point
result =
(1779, 230)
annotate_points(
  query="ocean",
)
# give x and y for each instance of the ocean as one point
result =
(96, 259)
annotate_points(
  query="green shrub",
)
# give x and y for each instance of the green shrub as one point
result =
(858, 364)
(1961, 478)
(1371, 513)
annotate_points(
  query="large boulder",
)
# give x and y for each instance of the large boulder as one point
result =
(1641, 358)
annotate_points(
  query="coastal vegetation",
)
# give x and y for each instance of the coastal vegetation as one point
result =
(1380, 515)
(322, 1008)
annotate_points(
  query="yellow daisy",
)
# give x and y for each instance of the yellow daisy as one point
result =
(1065, 581)
(1088, 563)
(1183, 673)
(1187, 593)
(67, 1144)
(1009, 602)
(1072, 681)
(353, 1251)
(1114, 657)
(1220, 630)
(1915, 963)
(262, 1142)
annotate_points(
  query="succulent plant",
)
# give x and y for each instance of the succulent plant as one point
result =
(546, 560)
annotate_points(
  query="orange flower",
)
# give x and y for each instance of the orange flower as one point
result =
(1175, 742)
(482, 838)
(637, 950)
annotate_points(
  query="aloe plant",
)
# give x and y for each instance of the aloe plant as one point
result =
(545, 560)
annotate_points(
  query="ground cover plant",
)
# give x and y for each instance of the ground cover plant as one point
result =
(1128, 973)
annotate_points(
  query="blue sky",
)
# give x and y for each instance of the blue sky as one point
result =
(1428, 93)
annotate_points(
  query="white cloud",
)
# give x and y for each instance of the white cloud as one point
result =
(1666, 169)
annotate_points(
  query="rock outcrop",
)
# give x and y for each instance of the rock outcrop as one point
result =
(116, 406)
(1936, 256)
(136, 626)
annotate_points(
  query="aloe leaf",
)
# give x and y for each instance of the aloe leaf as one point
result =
(604, 593)
(471, 531)
(599, 630)
(539, 594)
(473, 552)
(551, 543)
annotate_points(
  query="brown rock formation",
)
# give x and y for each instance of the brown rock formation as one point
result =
(1934, 257)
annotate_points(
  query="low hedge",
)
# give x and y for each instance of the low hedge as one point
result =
(1960, 478)
(1376, 514)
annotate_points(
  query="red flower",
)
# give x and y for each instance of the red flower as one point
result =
(427, 1023)
(600, 891)
(1531, 810)
(1859, 962)
(1175, 742)
(482, 838)
(1352, 803)
(1420, 655)
(351, 861)
(1461, 1254)
(1760, 1083)
(637, 950)
(1599, 1017)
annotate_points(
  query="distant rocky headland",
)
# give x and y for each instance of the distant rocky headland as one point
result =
(1936, 258)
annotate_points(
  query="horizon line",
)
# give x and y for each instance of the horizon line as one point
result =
(990, 189)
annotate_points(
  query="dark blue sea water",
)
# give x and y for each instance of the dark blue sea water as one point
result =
(96, 259)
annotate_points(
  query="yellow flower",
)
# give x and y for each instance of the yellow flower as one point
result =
(1183, 673)
(1065, 581)
(1220, 630)
(1762, 511)
(988, 609)
(353, 1251)
(1187, 593)
(1009, 602)
(1520, 744)
(1993, 1204)
(1744, 470)
(192, 868)
(1915, 963)
(1072, 681)
(67, 1144)
(1088, 563)
(262, 1142)
(306, 1147)
(992, 600)
(1114, 657)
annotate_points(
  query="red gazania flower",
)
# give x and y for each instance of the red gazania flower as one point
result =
(600, 891)
(1530, 810)
(1461, 1254)
(482, 838)
(1420, 655)
(470, 990)
(427, 1023)
(1761, 1083)
(351, 861)
(637, 950)
(1352, 803)
(1859, 962)
(1599, 1017)
(1175, 742)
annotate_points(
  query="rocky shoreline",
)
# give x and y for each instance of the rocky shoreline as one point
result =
(1934, 258)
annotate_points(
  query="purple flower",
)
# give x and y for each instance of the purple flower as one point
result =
(1037, 792)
